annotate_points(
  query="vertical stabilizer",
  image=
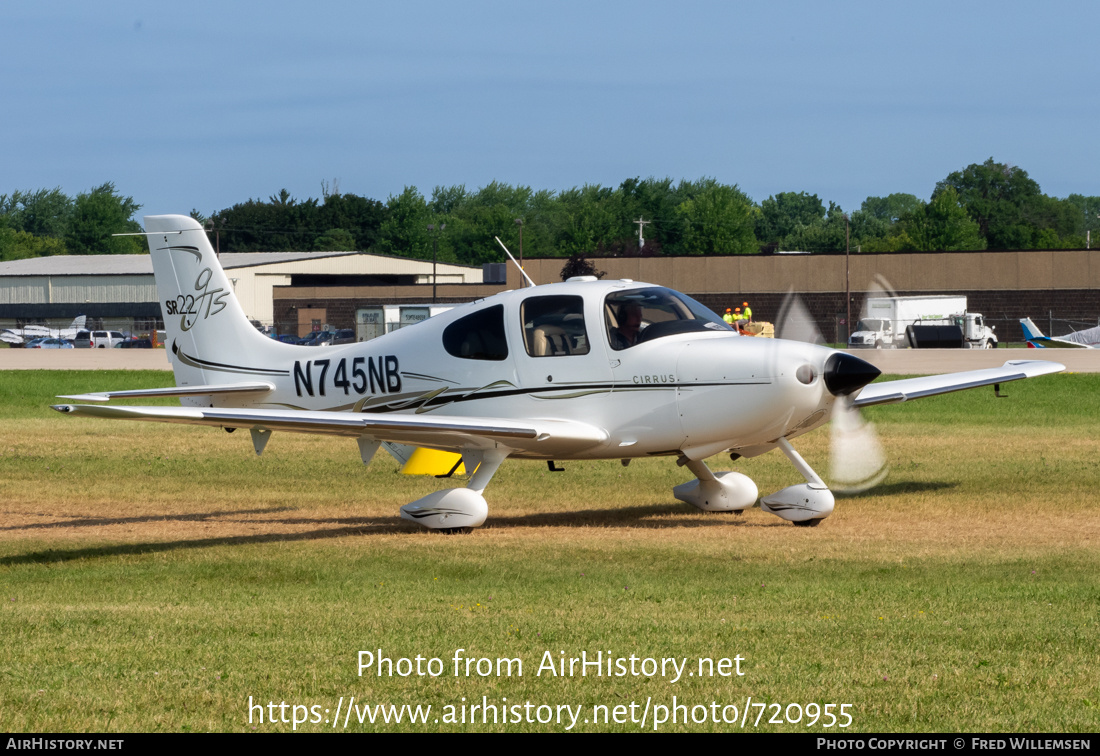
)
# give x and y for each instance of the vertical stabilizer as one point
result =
(209, 338)
(1030, 330)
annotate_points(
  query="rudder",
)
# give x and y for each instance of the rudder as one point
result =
(209, 337)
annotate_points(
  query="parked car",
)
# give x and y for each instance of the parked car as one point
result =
(343, 336)
(133, 343)
(286, 338)
(315, 338)
(51, 344)
(34, 342)
(97, 339)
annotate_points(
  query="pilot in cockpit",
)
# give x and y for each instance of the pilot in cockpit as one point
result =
(629, 318)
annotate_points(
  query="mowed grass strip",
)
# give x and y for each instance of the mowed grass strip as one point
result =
(153, 577)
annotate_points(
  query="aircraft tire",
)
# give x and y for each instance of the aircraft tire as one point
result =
(808, 523)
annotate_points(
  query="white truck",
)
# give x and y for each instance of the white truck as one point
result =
(886, 318)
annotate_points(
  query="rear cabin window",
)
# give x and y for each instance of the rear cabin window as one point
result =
(554, 326)
(478, 336)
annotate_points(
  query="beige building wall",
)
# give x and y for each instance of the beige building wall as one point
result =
(77, 289)
(935, 271)
(254, 285)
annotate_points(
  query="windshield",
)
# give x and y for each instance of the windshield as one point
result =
(871, 325)
(640, 315)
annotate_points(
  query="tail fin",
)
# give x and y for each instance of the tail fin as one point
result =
(1030, 330)
(209, 338)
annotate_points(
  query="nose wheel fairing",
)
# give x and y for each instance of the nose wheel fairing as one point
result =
(807, 501)
(803, 504)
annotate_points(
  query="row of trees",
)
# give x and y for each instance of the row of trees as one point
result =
(49, 222)
(984, 206)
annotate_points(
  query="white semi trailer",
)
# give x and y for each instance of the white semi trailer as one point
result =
(886, 318)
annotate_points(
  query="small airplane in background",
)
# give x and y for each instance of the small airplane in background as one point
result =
(17, 336)
(584, 369)
(1086, 339)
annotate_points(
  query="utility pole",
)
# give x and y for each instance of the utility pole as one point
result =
(435, 252)
(641, 223)
(217, 236)
(847, 279)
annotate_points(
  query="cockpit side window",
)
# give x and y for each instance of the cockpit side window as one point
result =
(554, 326)
(478, 336)
(640, 315)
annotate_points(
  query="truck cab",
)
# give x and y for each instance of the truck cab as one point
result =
(872, 333)
(976, 334)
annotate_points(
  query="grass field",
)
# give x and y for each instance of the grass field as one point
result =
(154, 577)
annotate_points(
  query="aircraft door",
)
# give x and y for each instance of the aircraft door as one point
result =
(559, 354)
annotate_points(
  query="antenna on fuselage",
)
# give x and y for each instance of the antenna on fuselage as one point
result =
(513, 259)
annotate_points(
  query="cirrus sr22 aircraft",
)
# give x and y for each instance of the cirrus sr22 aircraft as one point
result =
(584, 369)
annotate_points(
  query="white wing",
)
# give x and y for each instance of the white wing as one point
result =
(892, 392)
(545, 437)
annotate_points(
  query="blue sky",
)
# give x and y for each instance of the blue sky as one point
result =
(205, 104)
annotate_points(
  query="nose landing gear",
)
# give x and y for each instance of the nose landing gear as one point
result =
(806, 504)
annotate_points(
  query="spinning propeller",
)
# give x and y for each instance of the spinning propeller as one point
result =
(856, 460)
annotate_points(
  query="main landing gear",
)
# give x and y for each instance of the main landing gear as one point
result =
(458, 509)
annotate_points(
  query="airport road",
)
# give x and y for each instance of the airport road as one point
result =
(934, 361)
(84, 359)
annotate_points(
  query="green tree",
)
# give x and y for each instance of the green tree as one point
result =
(943, 224)
(654, 200)
(718, 220)
(43, 212)
(1088, 211)
(829, 234)
(335, 240)
(448, 199)
(1055, 223)
(97, 215)
(786, 212)
(405, 230)
(18, 245)
(890, 208)
(359, 217)
(585, 219)
(995, 195)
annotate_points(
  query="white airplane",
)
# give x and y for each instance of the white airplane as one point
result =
(584, 369)
(1086, 339)
(16, 336)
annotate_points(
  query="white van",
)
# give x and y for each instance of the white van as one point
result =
(98, 339)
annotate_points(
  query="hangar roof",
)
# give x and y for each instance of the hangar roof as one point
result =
(46, 282)
(137, 265)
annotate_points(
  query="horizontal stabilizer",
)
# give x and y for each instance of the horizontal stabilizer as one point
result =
(209, 390)
(892, 392)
